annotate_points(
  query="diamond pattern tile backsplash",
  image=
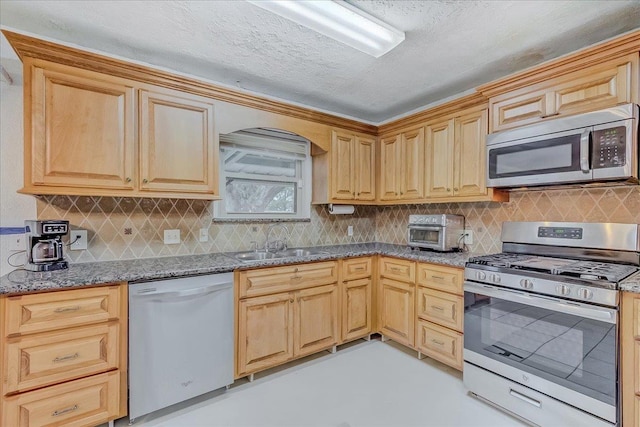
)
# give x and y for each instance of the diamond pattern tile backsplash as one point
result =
(128, 228)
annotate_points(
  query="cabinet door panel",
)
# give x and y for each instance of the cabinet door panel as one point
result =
(520, 110)
(265, 332)
(389, 175)
(440, 159)
(316, 319)
(342, 165)
(397, 313)
(356, 309)
(365, 182)
(470, 167)
(82, 129)
(177, 150)
(412, 167)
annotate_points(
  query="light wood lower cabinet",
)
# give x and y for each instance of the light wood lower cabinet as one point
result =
(630, 359)
(440, 343)
(397, 312)
(356, 309)
(441, 308)
(316, 319)
(64, 357)
(85, 402)
(275, 328)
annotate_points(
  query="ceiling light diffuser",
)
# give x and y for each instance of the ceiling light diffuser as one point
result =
(340, 21)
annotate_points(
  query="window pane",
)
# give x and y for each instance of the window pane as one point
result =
(236, 160)
(248, 196)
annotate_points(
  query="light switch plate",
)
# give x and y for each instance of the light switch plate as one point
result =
(16, 242)
(468, 237)
(171, 237)
(204, 235)
(350, 230)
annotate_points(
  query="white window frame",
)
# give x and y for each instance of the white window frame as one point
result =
(273, 143)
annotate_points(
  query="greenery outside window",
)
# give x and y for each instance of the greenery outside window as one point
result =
(266, 175)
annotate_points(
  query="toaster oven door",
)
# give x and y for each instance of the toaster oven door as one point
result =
(426, 236)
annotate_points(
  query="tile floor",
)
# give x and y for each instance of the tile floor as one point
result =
(363, 384)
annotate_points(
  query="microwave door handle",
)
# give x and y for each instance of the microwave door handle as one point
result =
(585, 150)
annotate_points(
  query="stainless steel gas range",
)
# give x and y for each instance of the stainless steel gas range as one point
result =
(541, 321)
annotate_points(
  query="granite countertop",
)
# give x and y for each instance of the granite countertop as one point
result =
(631, 283)
(92, 273)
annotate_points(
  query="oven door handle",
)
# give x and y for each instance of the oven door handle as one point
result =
(593, 312)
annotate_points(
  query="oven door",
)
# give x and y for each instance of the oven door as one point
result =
(426, 236)
(563, 349)
(548, 159)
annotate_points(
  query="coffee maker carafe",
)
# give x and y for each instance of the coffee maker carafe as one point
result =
(45, 250)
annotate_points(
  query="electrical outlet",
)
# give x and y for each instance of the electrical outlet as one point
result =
(468, 237)
(16, 242)
(350, 230)
(171, 237)
(78, 239)
(204, 235)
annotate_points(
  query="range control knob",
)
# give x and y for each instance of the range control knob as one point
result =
(585, 293)
(495, 278)
(481, 275)
(526, 284)
(563, 290)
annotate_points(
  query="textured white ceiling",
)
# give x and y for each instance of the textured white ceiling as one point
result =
(450, 46)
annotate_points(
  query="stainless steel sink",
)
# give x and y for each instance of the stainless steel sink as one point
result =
(256, 256)
(293, 252)
(250, 256)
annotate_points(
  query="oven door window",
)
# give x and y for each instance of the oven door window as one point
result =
(569, 350)
(427, 235)
(554, 155)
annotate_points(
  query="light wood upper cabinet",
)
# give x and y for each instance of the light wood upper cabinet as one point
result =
(469, 167)
(177, 143)
(79, 129)
(353, 167)
(456, 153)
(591, 88)
(440, 158)
(81, 138)
(402, 166)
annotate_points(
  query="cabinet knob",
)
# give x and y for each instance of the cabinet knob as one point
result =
(128, 179)
(448, 189)
(455, 188)
(145, 181)
(291, 300)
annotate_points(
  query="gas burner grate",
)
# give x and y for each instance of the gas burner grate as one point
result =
(596, 270)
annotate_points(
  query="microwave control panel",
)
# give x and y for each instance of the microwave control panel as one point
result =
(609, 147)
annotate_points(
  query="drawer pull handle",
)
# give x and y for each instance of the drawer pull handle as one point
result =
(437, 277)
(396, 270)
(64, 411)
(359, 269)
(296, 277)
(544, 116)
(65, 358)
(438, 342)
(435, 307)
(67, 309)
(525, 398)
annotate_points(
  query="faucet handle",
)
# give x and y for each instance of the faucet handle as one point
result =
(253, 246)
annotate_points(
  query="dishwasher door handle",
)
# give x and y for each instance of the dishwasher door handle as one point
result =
(187, 292)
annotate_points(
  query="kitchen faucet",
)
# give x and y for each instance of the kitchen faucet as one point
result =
(278, 244)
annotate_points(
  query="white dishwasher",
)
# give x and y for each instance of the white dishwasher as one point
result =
(180, 340)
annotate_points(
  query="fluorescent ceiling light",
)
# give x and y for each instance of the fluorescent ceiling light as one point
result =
(340, 21)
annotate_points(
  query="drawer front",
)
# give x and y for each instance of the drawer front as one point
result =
(445, 279)
(356, 268)
(398, 269)
(283, 279)
(440, 343)
(56, 310)
(39, 360)
(441, 308)
(86, 402)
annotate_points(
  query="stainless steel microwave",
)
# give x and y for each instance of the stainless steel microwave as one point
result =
(442, 233)
(597, 146)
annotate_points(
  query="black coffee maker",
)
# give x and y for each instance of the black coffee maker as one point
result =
(45, 250)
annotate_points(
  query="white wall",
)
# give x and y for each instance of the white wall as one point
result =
(14, 207)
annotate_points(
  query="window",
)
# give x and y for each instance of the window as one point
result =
(266, 175)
